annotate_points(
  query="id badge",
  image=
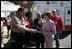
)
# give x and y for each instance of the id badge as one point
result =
(55, 22)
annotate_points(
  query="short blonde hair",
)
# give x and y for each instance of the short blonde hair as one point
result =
(47, 13)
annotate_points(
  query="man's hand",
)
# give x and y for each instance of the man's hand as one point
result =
(31, 30)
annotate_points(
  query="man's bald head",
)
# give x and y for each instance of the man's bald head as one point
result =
(38, 14)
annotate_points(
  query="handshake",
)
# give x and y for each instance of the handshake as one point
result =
(32, 30)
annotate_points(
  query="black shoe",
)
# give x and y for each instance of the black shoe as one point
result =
(56, 47)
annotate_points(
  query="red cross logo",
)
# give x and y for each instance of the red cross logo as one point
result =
(47, 2)
(61, 4)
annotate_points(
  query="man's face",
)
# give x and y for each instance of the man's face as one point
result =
(38, 15)
(53, 13)
(22, 13)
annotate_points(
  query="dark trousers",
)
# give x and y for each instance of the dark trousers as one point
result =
(17, 40)
(27, 37)
(8, 27)
(39, 39)
(57, 38)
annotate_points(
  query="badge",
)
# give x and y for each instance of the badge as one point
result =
(55, 22)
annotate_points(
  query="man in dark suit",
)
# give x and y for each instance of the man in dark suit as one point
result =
(39, 37)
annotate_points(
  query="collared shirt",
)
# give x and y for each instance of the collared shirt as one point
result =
(17, 24)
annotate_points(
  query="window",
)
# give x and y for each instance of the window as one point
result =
(68, 11)
(58, 12)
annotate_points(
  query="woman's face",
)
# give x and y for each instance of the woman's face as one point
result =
(46, 17)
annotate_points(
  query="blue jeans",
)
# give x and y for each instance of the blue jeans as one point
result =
(57, 37)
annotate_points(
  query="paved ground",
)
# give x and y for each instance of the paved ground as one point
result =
(65, 40)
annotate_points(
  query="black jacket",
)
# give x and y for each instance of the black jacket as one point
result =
(36, 24)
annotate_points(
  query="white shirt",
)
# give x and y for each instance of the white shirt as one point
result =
(1, 25)
(8, 22)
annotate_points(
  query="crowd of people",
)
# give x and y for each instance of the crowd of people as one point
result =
(45, 28)
(5, 22)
